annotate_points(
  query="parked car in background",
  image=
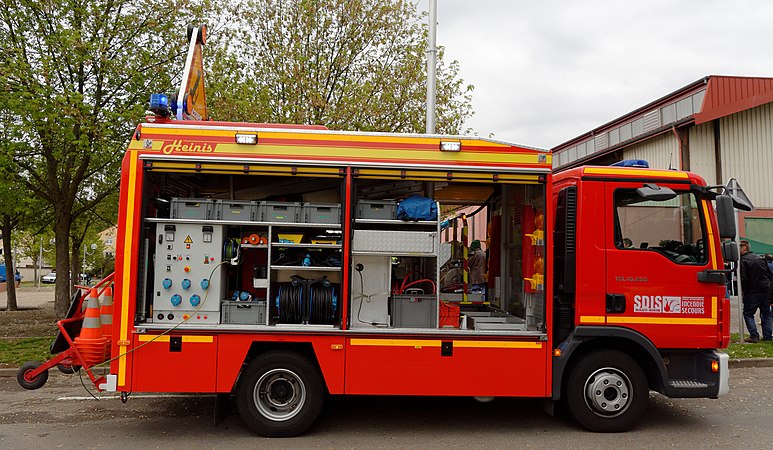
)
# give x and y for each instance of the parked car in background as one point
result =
(49, 279)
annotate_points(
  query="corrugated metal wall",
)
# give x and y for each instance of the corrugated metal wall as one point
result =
(702, 160)
(659, 151)
(746, 140)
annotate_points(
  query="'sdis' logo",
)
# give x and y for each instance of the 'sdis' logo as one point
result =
(672, 305)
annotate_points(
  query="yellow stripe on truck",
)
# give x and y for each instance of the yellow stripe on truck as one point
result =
(419, 343)
(127, 268)
(165, 338)
(661, 320)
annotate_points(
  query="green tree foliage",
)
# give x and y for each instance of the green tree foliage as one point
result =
(75, 78)
(346, 64)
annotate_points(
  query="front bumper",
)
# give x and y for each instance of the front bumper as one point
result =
(724, 372)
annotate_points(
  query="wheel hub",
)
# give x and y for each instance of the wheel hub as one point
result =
(280, 391)
(279, 395)
(608, 392)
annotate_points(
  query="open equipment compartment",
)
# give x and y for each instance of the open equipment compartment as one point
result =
(218, 248)
(280, 240)
(417, 273)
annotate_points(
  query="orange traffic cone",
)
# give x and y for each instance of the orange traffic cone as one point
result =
(90, 342)
(106, 317)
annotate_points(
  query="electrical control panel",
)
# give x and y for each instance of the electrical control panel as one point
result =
(188, 283)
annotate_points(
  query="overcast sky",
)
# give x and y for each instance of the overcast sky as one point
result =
(546, 71)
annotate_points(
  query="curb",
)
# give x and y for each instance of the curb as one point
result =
(751, 362)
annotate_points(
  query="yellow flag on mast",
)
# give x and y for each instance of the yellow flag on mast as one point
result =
(192, 99)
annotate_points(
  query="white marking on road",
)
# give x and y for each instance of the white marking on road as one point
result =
(117, 396)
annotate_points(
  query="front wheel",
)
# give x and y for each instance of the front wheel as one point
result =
(26, 380)
(280, 394)
(607, 391)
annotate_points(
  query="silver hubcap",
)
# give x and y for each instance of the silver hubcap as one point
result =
(608, 392)
(279, 395)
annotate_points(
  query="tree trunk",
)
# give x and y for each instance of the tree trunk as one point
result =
(10, 269)
(63, 284)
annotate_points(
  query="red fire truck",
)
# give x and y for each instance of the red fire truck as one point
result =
(281, 264)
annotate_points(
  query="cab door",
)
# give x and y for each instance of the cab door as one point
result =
(655, 251)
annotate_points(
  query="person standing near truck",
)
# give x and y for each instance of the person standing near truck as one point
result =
(477, 260)
(769, 261)
(755, 281)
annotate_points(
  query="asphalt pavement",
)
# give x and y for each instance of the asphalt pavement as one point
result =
(61, 414)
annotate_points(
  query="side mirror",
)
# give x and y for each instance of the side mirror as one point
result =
(655, 193)
(725, 217)
(730, 251)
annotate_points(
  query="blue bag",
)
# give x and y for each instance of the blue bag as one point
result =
(417, 207)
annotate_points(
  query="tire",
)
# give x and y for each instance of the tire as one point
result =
(607, 392)
(280, 394)
(68, 369)
(25, 381)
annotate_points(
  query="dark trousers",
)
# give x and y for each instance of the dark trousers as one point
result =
(751, 303)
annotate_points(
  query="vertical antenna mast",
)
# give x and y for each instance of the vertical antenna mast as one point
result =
(431, 66)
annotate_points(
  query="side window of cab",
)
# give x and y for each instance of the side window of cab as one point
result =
(674, 228)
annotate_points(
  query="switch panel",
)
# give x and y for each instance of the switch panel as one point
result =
(185, 285)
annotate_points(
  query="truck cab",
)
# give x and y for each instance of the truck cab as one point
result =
(636, 251)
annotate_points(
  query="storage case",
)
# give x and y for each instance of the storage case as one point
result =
(377, 209)
(240, 210)
(449, 315)
(246, 313)
(395, 243)
(191, 208)
(321, 213)
(413, 311)
(280, 212)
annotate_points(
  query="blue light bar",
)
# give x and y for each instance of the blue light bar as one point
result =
(632, 163)
(159, 104)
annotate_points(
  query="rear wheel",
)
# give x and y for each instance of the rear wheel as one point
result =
(607, 391)
(280, 394)
(68, 368)
(23, 376)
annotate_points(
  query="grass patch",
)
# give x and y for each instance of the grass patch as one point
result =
(18, 351)
(736, 350)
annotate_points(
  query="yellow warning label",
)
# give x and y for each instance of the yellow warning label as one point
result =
(188, 240)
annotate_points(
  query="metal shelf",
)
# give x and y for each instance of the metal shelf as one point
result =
(294, 245)
(332, 226)
(253, 245)
(308, 269)
(301, 225)
(397, 222)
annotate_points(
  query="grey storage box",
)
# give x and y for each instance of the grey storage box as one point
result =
(239, 210)
(245, 313)
(472, 297)
(377, 209)
(321, 213)
(395, 243)
(192, 208)
(414, 311)
(280, 212)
